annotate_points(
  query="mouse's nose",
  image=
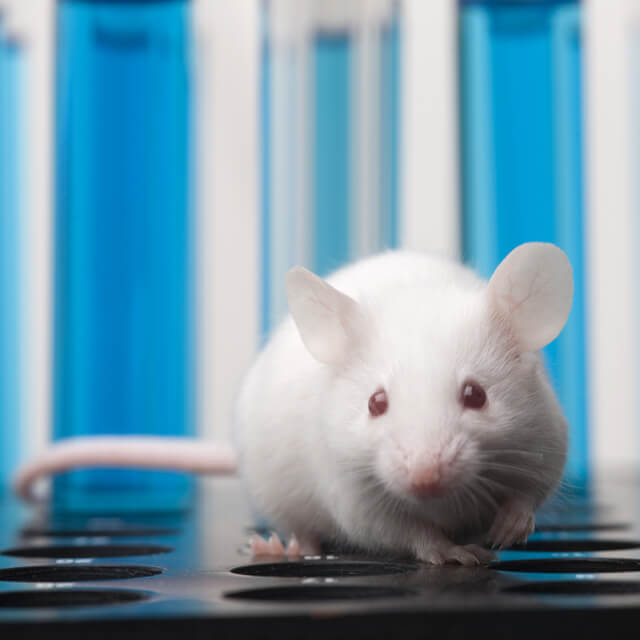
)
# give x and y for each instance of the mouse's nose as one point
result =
(427, 481)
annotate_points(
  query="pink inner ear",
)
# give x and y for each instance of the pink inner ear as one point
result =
(328, 321)
(533, 288)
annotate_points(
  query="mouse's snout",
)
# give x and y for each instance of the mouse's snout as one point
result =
(429, 467)
(432, 473)
(429, 480)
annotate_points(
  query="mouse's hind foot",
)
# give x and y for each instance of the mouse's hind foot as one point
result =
(274, 546)
(260, 546)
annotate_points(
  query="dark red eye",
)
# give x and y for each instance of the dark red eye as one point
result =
(378, 403)
(473, 395)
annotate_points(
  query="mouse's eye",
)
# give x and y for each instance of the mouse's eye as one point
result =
(473, 396)
(378, 403)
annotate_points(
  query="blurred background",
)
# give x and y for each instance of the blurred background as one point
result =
(164, 162)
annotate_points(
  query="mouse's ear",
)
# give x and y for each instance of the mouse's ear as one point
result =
(328, 321)
(533, 288)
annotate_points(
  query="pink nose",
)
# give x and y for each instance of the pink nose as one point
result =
(427, 481)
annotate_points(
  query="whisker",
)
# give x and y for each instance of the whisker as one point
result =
(539, 450)
(481, 491)
(511, 469)
(522, 452)
(495, 486)
(472, 502)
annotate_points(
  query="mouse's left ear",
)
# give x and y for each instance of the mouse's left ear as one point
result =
(533, 288)
(329, 322)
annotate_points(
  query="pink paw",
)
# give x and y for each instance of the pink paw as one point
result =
(468, 555)
(514, 522)
(271, 547)
(274, 547)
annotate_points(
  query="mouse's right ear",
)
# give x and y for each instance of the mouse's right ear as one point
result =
(328, 321)
(533, 288)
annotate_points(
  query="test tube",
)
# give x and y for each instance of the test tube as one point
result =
(329, 110)
(123, 263)
(522, 148)
(11, 108)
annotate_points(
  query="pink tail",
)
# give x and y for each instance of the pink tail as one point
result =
(138, 452)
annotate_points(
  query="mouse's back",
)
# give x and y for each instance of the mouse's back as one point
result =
(375, 275)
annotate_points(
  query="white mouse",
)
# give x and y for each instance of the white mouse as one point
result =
(402, 407)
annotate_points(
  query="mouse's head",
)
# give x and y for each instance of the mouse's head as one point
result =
(439, 396)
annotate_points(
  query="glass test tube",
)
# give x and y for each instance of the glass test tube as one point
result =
(11, 72)
(123, 274)
(521, 126)
(329, 108)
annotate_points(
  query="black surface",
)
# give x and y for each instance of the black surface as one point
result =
(42, 598)
(570, 565)
(319, 593)
(130, 532)
(323, 569)
(191, 576)
(578, 544)
(76, 573)
(86, 551)
(577, 588)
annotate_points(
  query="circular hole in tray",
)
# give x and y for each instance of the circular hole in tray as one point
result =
(576, 545)
(578, 588)
(319, 593)
(87, 551)
(586, 526)
(68, 598)
(76, 573)
(96, 533)
(305, 569)
(569, 565)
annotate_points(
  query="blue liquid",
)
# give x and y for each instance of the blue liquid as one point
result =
(331, 152)
(327, 161)
(522, 154)
(11, 70)
(123, 298)
(390, 135)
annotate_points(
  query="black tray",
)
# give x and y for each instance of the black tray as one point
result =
(162, 575)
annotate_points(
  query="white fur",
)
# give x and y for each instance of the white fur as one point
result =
(316, 463)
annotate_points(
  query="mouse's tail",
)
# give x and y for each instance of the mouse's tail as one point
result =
(138, 452)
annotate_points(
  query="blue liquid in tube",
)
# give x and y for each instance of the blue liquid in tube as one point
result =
(522, 150)
(312, 103)
(331, 152)
(11, 72)
(123, 359)
(390, 134)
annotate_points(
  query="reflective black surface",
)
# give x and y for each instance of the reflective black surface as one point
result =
(76, 573)
(68, 598)
(163, 575)
(569, 565)
(323, 569)
(86, 551)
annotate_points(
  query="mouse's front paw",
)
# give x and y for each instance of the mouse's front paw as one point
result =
(468, 555)
(513, 523)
